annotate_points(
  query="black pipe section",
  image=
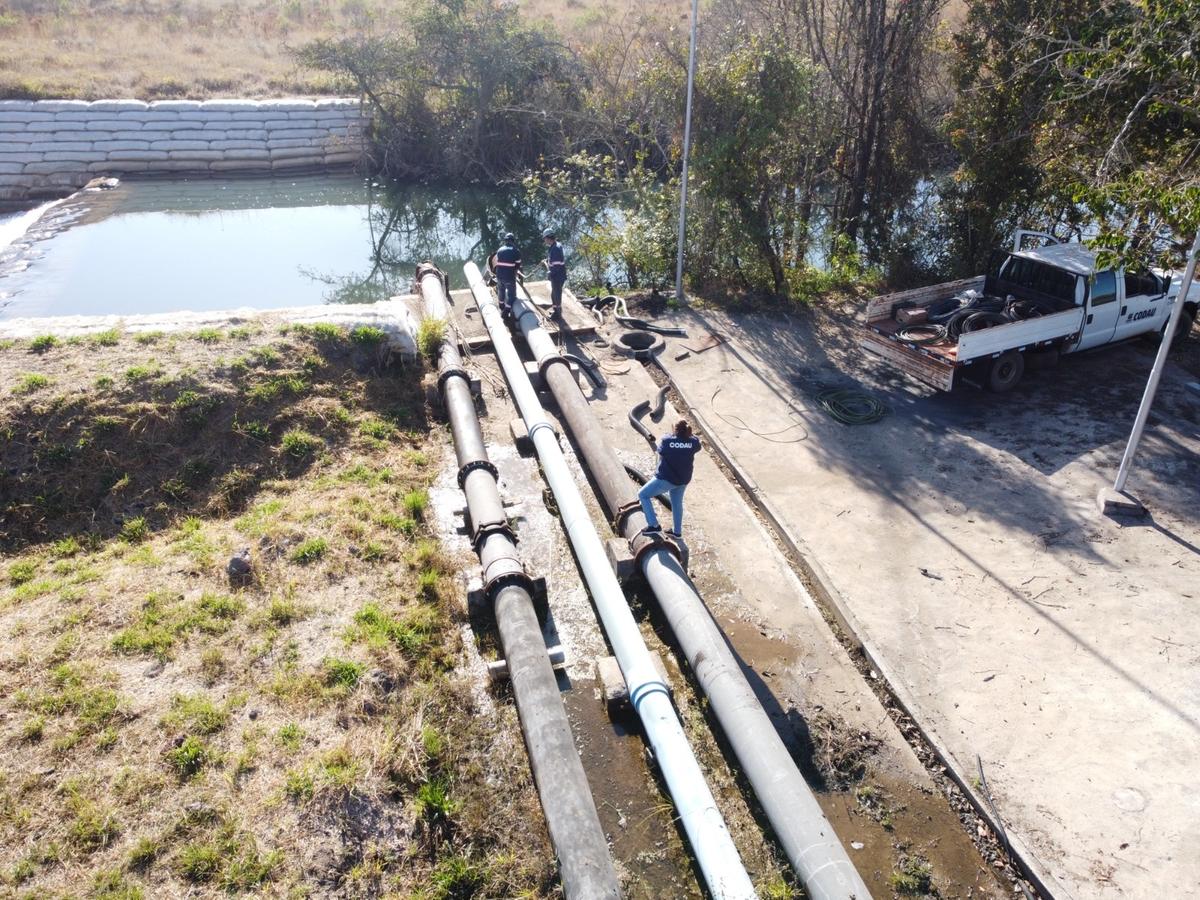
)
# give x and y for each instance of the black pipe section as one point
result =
(640, 409)
(585, 865)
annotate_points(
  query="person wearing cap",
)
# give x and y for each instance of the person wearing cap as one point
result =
(556, 265)
(508, 264)
(676, 454)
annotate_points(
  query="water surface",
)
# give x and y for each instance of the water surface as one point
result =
(161, 246)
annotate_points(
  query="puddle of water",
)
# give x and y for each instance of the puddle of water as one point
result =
(162, 246)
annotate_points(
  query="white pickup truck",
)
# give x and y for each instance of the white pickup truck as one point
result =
(1047, 301)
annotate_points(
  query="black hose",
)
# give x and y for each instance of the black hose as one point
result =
(977, 321)
(643, 325)
(639, 410)
(922, 334)
(588, 368)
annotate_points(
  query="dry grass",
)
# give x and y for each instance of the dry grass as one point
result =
(157, 49)
(167, 732)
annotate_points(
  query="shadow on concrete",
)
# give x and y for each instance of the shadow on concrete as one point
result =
(935, 442)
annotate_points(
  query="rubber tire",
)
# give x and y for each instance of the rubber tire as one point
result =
(1006, 372)
(1187, 319)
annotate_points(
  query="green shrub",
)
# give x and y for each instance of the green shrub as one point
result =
(430, 335)
(109, 338)
(415, 503)
(21, 572)
(42, 343)
(190, 757)
(135, 530)
(310, 550)
(368, 336)
(342, 673)
(300, 444)
(27, 384)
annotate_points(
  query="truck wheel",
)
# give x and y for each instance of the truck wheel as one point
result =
(1006, 372)
(1186, 319)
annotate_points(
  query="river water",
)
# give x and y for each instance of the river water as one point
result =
(162, 246)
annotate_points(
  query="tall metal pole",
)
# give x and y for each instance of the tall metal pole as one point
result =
(1139, 424)
(687, 145)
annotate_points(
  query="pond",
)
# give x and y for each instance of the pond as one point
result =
(198, 245)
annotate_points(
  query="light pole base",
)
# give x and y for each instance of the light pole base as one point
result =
(1119, 504)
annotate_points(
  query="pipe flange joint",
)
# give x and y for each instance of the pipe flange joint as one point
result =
(485, 529)
(451, 372)
(641, 544)
(519, 579)
(428, 268)
(624, 511)
(470, 467)
(545, 364)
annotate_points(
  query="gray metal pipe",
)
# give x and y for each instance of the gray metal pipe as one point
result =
(707, 833)
(584, 863)
(797, 819)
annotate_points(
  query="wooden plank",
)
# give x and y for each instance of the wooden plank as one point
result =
(926, 369)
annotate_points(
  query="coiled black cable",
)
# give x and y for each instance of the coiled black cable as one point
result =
(922, 334)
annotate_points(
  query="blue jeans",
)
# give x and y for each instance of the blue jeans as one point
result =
(653, 488)
(507, 292)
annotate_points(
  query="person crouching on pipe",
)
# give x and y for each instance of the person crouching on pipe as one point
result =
(676, 454)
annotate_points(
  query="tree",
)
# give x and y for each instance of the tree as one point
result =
(1081, 116)
(465, 88)
(751, 114)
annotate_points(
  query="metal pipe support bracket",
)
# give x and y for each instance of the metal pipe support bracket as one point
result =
(641, 544)
(482, 531)
(624, 511)
(450, 372)
(474, 465)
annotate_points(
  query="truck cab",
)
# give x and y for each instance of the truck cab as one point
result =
(1118, 304)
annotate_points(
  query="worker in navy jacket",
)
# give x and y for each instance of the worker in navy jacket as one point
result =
(676, 453)
(556, 266)
(508, 264)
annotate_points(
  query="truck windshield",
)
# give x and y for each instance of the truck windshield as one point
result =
(1037, 276)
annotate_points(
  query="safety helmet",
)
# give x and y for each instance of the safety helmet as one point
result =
(548, 233)
(509, 237)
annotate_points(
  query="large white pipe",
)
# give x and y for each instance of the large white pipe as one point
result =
(706, 830)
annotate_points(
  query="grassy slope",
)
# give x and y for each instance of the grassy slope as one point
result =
(155, 49)
(164, 731)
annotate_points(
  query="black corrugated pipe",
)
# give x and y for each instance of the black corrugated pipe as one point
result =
(805, 834)
(583, 856)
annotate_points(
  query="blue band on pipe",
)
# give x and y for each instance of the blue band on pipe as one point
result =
(643, 691)
(537, 426)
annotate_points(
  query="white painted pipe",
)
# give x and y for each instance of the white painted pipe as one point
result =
(706, 830)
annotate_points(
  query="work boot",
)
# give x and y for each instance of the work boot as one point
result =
(672, 533)
(652, 529)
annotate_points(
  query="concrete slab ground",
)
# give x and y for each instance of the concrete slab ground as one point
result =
(1053, 648)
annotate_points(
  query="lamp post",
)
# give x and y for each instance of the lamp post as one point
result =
(687, 144)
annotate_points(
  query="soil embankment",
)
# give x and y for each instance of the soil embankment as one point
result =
(232, 654)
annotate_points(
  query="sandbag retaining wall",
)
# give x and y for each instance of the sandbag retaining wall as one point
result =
(50, 147)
